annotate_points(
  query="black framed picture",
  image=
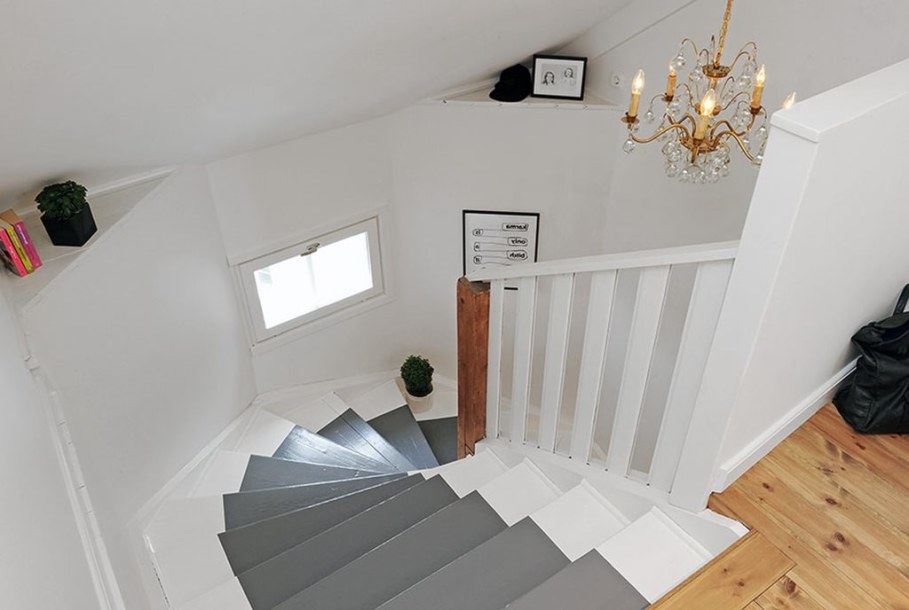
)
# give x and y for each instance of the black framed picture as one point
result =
(499, 238)
(559, 77)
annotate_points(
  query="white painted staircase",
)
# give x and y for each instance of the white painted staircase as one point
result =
(334, 522)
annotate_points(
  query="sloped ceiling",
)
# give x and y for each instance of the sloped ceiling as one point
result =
(92, 86)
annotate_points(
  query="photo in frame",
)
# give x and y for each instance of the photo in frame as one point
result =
(499, 238)
(559, 77)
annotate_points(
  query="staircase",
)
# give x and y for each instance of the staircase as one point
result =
(357, 503)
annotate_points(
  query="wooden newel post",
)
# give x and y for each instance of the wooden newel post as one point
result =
(473, 339)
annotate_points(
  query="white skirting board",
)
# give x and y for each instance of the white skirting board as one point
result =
(752, 453)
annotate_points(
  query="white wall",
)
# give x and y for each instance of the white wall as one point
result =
(171, 82)
(142, 339)
(427, 163)
(847, 256)
(807, 46)
(42, 564)
(823, 252)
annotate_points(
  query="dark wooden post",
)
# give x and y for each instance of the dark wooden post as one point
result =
(473, 339)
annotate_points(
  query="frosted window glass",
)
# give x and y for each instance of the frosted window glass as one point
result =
(302, 284)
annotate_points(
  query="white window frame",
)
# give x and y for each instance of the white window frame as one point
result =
(322, 316)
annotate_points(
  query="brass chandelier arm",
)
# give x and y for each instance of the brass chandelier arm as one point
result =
(722, 91)
(694, 123)
(688, 88)
(741, 133)
(729, 127)
(743, 53)
(678, 126)
(694, 46)
(745, 94)
(738, 140)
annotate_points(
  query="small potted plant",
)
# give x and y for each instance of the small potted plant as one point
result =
(65, 214)
(416, 372)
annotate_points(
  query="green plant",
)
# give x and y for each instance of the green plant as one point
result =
(62, 201)
(417, 375)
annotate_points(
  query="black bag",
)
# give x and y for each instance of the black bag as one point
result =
(877, 399)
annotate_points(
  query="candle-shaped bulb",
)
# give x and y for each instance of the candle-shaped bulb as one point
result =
(637, 85)
(761, 76)
(708, 103)
(790, 100)
(759, 79)
(670, 83)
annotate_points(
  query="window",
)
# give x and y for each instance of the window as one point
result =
(313, 279)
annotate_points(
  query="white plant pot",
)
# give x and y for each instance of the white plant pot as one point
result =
(419, 404)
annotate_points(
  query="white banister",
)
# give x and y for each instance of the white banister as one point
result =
(703, 313)
(494, 375)
(612, 262)
(593, 357)
(557, 334)
(523, 357)
(645, 323)
(613, 428)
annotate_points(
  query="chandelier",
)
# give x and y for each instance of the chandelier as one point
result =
(707, 110)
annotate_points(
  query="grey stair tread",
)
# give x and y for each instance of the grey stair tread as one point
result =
(248, 546)
(301, 445)
(590, 583)
(498, 571)
(247, 507)
(287, 574)
(442, 436)
(382, 573)
(267, 473)
(403, 432)
(351, 431)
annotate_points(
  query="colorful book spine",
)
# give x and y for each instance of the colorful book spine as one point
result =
(17, 245)
(31, 253)
(26, 240)
(12, 257)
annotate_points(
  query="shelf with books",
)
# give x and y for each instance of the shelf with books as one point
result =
(109, 206)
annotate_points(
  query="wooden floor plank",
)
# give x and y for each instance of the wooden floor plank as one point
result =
(813, 528)
(833, 501)
(733, 579)
(849, 448)
(785, 594)
(844, 510)
(823, 582)
(848, 476)
(889, 451)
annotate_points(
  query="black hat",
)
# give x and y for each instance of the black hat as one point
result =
(514, 84)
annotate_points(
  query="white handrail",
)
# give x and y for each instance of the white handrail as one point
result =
(700, 253)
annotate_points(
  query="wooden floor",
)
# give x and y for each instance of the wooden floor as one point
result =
(829, 514)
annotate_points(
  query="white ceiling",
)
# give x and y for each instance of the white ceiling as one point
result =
(96, 87)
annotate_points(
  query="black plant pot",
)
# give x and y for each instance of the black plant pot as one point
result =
(74, 231)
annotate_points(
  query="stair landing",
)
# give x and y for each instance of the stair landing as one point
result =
(829, 527)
